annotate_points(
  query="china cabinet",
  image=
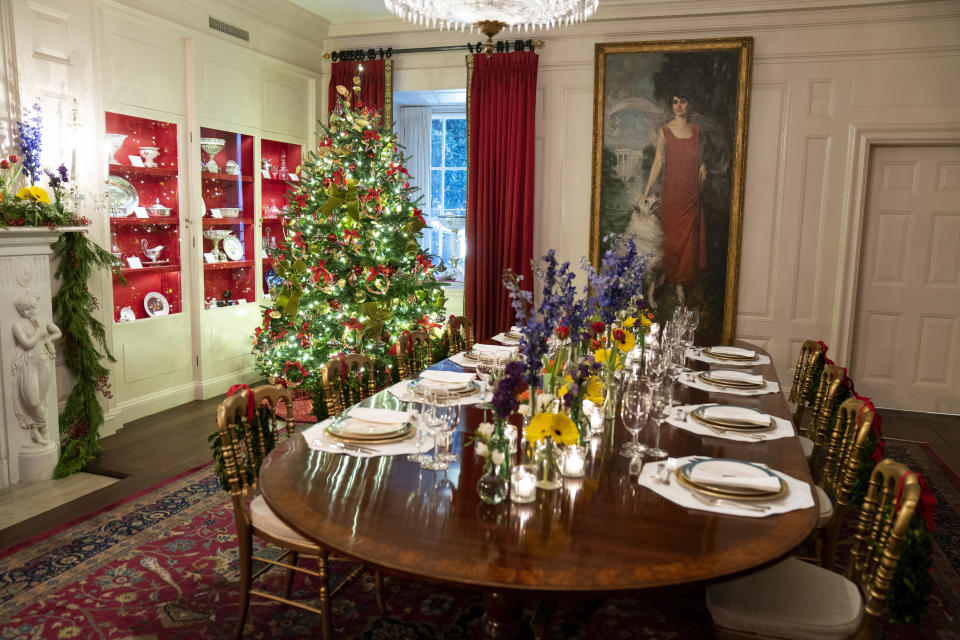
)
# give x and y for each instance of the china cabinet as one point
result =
(279, 173)
(143, 189)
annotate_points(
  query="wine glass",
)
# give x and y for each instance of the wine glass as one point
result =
(433, 422)
(448, 428)
(655, 368)
(634, 407)
(662, 405)
(418, 419)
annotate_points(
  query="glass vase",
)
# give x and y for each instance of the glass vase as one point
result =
(492, 487)
(610, 389)
(548, 465)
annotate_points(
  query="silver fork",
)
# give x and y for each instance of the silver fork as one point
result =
(720, 502)
(341, 445)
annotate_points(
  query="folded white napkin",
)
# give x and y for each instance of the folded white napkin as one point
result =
(354, 427)
(380, 416)
(503, 338)
(738, 414)
(734, 476)
(734, 351)
(448, 377)
(494, 349)
(516, 329)
(682, 419)
(729, 375)
(703, 355)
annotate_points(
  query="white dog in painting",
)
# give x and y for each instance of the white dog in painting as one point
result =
(647, 233)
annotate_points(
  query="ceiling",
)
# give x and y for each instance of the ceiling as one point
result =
(349, 11)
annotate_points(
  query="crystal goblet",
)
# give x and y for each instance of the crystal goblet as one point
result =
(212, 146)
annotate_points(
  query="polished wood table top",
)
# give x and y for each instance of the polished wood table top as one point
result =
(601, 532)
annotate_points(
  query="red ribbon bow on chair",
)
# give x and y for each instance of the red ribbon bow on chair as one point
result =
(251, 405)
(927, 502)
(823, 352)
(877, 455)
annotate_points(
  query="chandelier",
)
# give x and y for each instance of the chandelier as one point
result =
(490, 16)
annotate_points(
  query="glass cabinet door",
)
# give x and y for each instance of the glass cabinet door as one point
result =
(144, 203)
(279, 166)
(228, 218)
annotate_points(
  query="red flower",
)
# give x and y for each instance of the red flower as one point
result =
(595, 344)
(12, 158)
(619, 335)
(4, 164)
(596, 328)
(563, 332)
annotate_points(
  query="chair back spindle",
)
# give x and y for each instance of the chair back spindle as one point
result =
(414, 353)
(347, 380)
(460, 333)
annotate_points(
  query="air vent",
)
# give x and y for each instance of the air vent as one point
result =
(229, 29)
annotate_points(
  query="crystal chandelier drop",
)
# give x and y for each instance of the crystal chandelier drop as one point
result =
(492, 15)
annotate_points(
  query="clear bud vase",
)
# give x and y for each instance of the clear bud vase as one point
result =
(610, 389)
(548, 465)
(492, 487)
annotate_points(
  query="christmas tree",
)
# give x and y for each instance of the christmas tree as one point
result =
(350, 273)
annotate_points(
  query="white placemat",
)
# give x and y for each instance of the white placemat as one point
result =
(783, 428)
(691, 380)
(798, 496)
(318, 440)
(697, 354)
(401, 391)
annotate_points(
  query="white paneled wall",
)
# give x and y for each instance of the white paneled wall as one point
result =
(827, 83)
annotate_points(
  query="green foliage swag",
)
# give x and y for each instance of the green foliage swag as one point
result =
(260, 434)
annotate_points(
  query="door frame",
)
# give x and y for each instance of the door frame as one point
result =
(862, 139)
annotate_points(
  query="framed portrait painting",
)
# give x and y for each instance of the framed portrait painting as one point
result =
(669, 156)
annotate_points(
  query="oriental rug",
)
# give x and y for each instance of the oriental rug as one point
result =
(163, 565)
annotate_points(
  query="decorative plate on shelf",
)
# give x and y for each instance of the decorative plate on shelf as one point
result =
(233, 247)
(155, 304)
(123, 196)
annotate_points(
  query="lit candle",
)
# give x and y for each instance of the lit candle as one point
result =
(573, 461)
(523, 484)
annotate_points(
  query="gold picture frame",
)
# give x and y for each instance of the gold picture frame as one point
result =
(691, 228)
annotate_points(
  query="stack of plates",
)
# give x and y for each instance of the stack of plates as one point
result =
(448, 382)
(734, 354)
(371, 426)
(733, 379)
(515, 333)
(489, 352)
(733, 418)
(731, 479)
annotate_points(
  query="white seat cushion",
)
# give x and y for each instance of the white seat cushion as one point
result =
(263, 518)
(825, 506)
(807, 445)
(791, 599)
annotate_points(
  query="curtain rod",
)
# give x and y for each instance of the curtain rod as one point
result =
(501, 46)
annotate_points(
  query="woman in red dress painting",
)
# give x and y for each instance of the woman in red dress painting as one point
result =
(684, 233)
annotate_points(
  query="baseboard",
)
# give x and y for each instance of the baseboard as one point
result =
(148, 405)
(211, 387)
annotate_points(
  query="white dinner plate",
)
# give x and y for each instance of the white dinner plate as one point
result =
(155, 304)
(233, 247)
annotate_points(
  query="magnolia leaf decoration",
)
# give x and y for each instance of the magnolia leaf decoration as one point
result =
(377, 316)
(343, 196)
(289, 294)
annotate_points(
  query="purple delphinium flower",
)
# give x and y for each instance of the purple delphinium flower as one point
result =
(505, 395)
(619, 279)
(64, 173)
(31, 133)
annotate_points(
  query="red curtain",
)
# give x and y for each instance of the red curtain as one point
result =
(371, 82)
(503, 96)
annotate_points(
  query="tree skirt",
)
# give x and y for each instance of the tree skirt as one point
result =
(163, 564)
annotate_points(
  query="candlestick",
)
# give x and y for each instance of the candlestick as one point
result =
(523, 484)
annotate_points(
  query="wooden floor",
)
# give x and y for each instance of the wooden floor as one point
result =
(153, 449)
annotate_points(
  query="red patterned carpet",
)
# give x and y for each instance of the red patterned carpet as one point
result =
(163, 565)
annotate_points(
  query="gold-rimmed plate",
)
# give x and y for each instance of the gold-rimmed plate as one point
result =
(336, 430)
(699, 414)
(729, 356)
(729, 384)
(739, 467)
(468, 389)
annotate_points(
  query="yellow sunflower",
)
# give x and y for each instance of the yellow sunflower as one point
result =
(595, 391)
(35, 193)
(629, 322)
(567, 381)
(601, 355)
(628, 343)
(557, 425)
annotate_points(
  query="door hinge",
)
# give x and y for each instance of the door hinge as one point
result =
(198, 361)
(194, 241)
(191, 136)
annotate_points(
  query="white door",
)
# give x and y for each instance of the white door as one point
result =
(906, 350)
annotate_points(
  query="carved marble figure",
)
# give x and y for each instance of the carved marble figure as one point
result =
(33, 367)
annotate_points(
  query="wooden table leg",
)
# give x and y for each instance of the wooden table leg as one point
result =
(503, 616)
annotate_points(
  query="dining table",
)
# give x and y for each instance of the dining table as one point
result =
(600, 533)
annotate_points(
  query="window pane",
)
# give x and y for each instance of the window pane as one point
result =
(436, 190)
(456, 142)
(455, 190)
(436, 142)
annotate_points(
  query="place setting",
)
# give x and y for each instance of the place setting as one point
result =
(728, 356)
(730, 381)
(366, 432)
(742, 424)
(480, 354)
(452, 386)
(509, 337)
(727, 486)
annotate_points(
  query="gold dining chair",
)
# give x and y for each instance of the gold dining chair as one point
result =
(842, 456)
(460, 333)
(347, 380)
(829, 390)
(795, 599)
(414, 353)
(804, 376)
(243, 445)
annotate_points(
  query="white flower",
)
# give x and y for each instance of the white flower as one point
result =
(497, 457)
(481, 449)
(544, 400)
(485, 430)
(523, 409)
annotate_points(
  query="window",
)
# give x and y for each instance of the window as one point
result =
(447, 210)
